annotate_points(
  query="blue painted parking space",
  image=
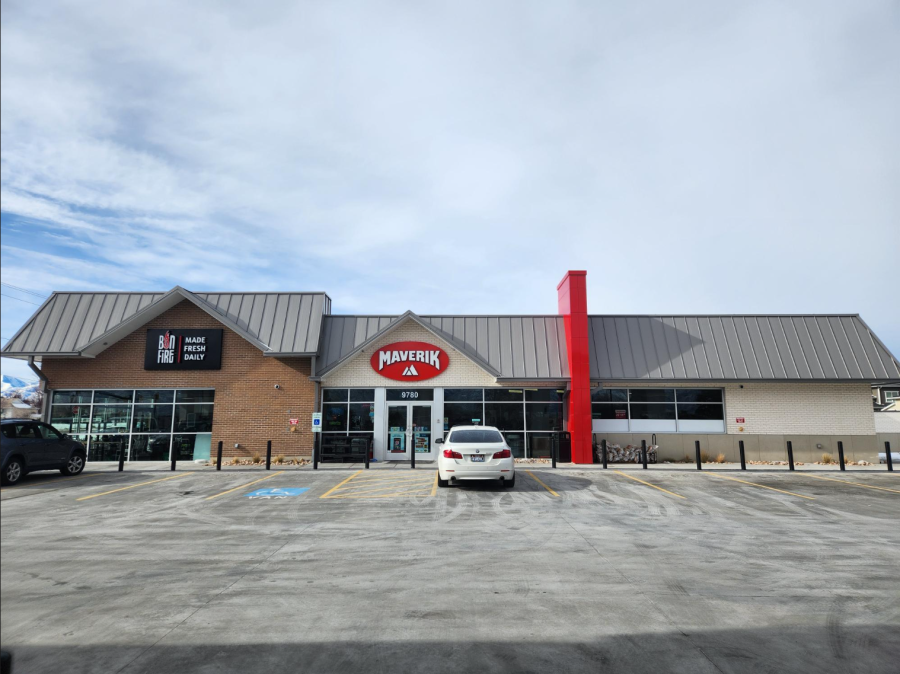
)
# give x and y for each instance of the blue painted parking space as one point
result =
(277, 493)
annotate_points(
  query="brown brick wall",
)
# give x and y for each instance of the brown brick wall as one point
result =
(249, 410)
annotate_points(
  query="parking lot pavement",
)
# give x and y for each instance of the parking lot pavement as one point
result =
(572, 570)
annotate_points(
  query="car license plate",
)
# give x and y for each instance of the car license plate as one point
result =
(478, 457)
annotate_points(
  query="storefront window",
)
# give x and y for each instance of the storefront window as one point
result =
(137, 422)
(195, 396)
(672, 410)
(193, 418)
(544, 416)
(540, 395)
(516, 412)
(76, 397)
(111, 419)
(362, 416)
(348, 417)
(70, 419)
(150, 447)
(462, 395)
(463, 414)
(191, 447)
(540, 445)
(157, 397)
(106, 447)
(113, 397)
(152, 419)
(503, 395)
(505, 417)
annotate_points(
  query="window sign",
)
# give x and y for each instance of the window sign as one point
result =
(176, 349)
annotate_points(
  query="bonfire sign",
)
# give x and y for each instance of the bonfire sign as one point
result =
(176, 349)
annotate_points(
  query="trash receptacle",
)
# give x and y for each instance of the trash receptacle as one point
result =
(565, 447)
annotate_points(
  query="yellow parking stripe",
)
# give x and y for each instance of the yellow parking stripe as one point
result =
(867, 486)
(762, 486)
(538, 480)
(340, 483)
(434, 486)
(262, 479)
(139, 484)
(631, 477)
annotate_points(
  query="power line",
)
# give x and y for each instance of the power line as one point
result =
(24, 290)
(20, 299)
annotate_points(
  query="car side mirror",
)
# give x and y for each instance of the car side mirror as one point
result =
(439, 441)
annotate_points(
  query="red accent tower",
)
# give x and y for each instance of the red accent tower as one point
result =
(572, 292)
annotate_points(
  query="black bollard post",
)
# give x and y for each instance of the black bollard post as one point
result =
(603, 445)
(316, 452)
(219, 456)
(367, 456)
(644, 453)
(741, 448)
(412, 456)
(697, 452)
(554, 449)
(888, 457)
(268, 454)
(173, 459)
(790, 455)
(841, 454)
(121, 460)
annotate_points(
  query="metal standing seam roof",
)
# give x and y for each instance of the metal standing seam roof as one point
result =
(84, 324)
(803, 348)
(514, 347)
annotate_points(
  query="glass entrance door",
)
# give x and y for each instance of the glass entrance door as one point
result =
(398, 429)
(409, 429)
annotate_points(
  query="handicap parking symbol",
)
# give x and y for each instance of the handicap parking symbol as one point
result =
(276, 493)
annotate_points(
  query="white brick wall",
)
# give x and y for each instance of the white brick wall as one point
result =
(460, 372)
(784, 408)
(795, 408)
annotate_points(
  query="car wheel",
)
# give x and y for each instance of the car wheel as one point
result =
(509, 484)
(13, 472)
(443, 483)
(74, 466)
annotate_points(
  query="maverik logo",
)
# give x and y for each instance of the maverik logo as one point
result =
(409, 361)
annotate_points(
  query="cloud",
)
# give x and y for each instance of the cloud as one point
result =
(704, 157)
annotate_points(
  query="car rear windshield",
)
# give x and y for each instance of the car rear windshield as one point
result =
(472, 436)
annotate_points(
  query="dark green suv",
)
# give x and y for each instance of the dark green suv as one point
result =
(27, 446)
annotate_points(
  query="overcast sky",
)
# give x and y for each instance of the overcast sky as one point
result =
(706, 157)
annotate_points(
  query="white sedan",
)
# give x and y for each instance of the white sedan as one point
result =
(475, 453)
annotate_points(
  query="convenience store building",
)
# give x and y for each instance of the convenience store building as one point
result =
(151, 374)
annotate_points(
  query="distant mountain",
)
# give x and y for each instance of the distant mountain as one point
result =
(9, 381)
(15, 387)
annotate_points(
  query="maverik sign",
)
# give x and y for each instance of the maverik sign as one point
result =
(409, 361)
(183, 350)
